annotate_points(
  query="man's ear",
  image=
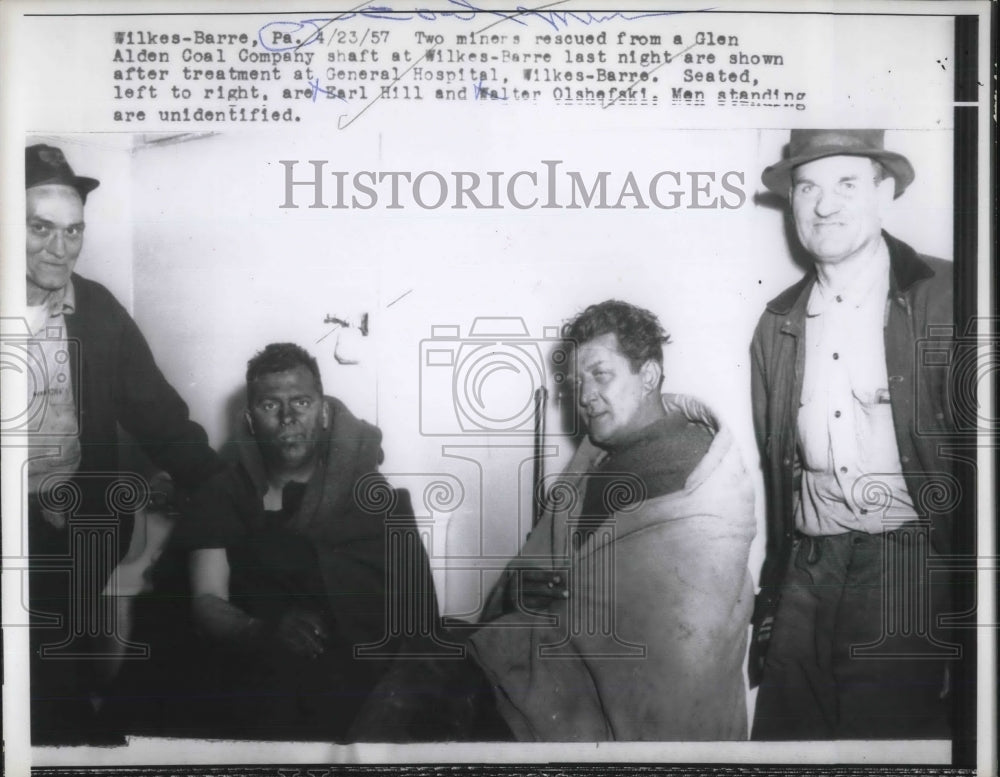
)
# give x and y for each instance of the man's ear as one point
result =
(326, 414)
(886, 191)
(651, 372)
(249, 419)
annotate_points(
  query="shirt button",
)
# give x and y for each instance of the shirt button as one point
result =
(844, 470)
(836, 356)
(836, 414)
(863, 511)
(839, 298)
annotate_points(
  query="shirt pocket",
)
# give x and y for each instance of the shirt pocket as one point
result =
(873, 416)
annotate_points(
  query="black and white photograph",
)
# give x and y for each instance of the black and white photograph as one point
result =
(503, 388)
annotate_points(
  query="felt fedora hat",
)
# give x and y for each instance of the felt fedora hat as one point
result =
(47, 165)
(809, 145)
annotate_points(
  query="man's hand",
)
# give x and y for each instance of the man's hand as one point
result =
(162, 494)
(539, 588)
(301, 634)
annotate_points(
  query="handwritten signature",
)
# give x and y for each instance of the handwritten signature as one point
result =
(283, 31)
(317, 90)
(481, 93)
(271, 33)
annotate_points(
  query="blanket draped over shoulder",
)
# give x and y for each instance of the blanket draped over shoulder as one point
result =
(651, 642)
(346, 510)
(343, 517)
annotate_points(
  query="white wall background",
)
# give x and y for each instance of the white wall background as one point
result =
(189, 235)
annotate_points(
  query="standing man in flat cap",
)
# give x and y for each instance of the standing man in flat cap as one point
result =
(98, 374)
(838, 399)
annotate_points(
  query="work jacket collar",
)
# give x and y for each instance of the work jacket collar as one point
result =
(905, 269)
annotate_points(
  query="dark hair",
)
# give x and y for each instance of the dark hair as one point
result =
(640, 335)
(281, 357)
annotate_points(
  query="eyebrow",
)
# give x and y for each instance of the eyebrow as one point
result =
(278, 396)
(842, 179)
(48, 223)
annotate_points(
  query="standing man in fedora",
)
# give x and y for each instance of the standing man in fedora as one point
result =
(98, 374)
(848, 425)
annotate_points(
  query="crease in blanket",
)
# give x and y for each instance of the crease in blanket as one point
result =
(681, 589)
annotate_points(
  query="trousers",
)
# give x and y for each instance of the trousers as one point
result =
(855, 651)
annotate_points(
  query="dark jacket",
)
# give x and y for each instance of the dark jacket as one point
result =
(349, 516)
(919, 321)
(117, 382)
(346, 548)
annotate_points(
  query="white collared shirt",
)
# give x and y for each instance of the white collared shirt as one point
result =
(851, 474)
(54, 451)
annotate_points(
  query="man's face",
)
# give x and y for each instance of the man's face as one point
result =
(286, 412)
(55, 237)
(613, 399)
(838, 207)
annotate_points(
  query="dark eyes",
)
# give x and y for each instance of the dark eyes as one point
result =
(270, 406)
(42, 229)
(812, 191)
(601, 376)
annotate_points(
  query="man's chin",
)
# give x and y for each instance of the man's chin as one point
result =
(598, 439)
(291, 454)
(830, 250)
(49, 282)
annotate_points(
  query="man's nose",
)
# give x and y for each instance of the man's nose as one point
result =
(286, 414)
(827, 203)
(57, 244)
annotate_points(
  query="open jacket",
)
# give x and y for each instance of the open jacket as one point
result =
(651, 641)
(117, 382)
(918, 341)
